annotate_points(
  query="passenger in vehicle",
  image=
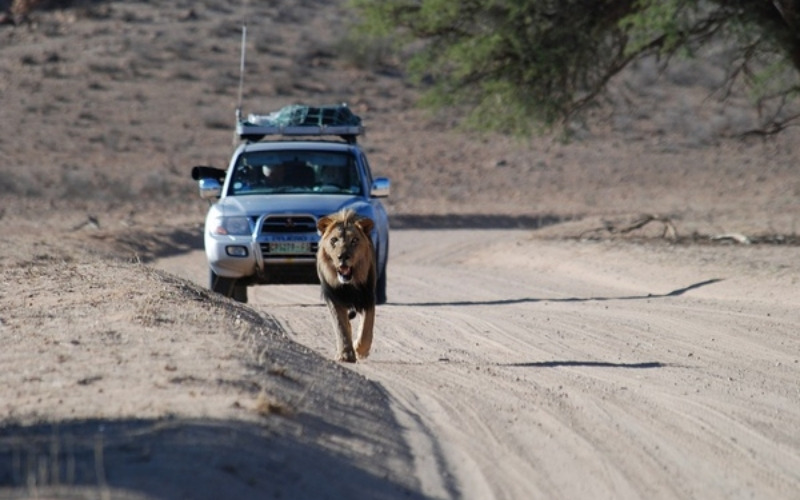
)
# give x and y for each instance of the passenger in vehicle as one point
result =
(274, 176)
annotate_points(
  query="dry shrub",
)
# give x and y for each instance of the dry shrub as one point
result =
(266, 406)
(374, 55)
(21, 8)
(24, 7)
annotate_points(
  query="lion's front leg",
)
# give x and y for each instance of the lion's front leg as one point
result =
(344, 334)
(364, 339)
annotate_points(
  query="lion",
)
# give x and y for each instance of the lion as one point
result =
(347, 275)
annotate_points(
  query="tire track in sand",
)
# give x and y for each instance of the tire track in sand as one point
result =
(556, 374)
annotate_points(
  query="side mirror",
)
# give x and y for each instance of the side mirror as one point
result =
(203, 172)
(380, 187)
(209, 188)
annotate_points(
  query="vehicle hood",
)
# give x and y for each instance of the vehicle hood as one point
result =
(314, 204)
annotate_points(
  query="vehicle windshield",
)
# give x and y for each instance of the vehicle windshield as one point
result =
(276, 172)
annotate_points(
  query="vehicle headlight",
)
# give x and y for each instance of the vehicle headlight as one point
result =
(233, 226)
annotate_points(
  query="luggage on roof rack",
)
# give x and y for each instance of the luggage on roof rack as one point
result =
(302, 120)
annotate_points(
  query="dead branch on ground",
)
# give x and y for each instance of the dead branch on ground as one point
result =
(669, 231)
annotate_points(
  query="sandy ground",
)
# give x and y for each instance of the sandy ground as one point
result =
(537, 343)
(575, 370)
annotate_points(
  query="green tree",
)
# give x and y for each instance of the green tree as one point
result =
(521, 64)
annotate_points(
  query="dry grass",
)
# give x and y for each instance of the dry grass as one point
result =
(24, 7)
(265, 406)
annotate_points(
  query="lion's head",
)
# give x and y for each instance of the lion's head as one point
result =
(345, 249)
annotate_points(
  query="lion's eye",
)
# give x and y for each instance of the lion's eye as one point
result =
(354, 241)
(334, 240)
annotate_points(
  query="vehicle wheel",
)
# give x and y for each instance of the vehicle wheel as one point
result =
(380, 287)
(240, 293)
(227, 287)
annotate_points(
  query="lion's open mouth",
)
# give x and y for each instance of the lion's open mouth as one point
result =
(345, 274)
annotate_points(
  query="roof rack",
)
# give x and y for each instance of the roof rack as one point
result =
(299, 120)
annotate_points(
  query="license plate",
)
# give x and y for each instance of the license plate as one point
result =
(290, 247)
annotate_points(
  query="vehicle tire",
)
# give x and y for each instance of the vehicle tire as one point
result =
(240, 293)
(227, 287)
(380, 287)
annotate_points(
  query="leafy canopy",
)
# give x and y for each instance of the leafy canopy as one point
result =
(517, 65)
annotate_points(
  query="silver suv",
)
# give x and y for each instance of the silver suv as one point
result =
(261, 227)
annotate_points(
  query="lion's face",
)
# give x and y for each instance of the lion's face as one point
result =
(345, 248)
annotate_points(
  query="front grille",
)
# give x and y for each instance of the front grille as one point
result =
(289, 224)
(268, 252)
(289, 239)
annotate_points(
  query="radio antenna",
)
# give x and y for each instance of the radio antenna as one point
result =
(241, 73)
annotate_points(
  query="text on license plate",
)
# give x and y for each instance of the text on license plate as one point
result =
(289, 247)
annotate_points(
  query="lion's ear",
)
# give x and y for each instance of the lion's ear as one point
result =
(365, 224)
(324, 223)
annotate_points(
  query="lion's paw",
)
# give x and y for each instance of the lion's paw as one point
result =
(362, 353)
(347, 356)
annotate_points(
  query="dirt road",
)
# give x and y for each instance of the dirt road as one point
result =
(517, 366)
(528, 368)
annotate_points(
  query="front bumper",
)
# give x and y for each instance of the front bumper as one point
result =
(281, 249)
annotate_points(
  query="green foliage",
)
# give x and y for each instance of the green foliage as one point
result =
(665, 22)
(515, 64)
(519, 65)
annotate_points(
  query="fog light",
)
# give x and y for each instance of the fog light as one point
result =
(236, 251)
